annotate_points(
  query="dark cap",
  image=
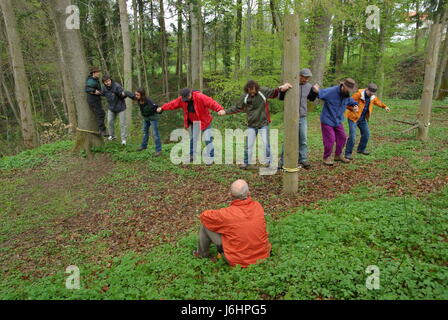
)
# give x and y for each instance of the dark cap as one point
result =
(185, 93)
(94, 69)
(350, 84)
(305, 72)
(372, 87)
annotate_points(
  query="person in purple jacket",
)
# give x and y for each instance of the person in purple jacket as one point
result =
(336, 99)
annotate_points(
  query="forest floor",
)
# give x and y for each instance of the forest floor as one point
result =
(128, 220)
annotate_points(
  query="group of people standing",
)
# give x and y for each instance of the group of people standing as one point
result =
(239, 231)
(340, 101)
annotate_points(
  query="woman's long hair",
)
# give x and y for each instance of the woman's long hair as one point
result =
(142, 93)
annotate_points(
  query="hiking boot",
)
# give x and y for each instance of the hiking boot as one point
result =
(123, 143)
(141, 149)
(158, 154)
(349, 157)
(364, 153)
(341, 158)
(328, 161)
(305, 164)
(111, 138)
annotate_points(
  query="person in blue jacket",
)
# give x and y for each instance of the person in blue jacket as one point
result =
(336, 99)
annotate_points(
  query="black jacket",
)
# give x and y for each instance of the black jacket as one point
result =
(147, 109)
(115, 97)
(92, 85)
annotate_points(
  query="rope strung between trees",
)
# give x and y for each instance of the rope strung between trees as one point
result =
(84, 130)
(291, 170)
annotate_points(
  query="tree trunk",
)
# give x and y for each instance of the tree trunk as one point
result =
(417, 26)
(248, 33)
(127, 57)
(29, 133)
(66, 86)
(290, 72)
(424, 115)
(179, 60)
(164, 49)
(142, 43)
(239, 26)
(137, 62)
(196, 45)
(320, 41)
(76, 62)
(276, 24)
(9, 98)
(442, 68)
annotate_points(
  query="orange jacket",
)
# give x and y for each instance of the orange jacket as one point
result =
(360, 98)
(243, 229)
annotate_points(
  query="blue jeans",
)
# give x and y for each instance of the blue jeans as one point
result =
(250, 141)
(155, 129)
(194, 134)
(365, 134)
(303, 138)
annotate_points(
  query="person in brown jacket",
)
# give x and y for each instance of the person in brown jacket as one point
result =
(366, 100)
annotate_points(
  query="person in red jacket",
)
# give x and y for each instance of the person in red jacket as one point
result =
(196, 107)
(239, 231)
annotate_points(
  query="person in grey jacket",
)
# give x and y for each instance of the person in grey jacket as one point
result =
(307, 92)
(115, 96)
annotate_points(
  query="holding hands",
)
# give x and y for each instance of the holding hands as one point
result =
(159, 110)
(285, 87)
(222, 112)
(316, 88)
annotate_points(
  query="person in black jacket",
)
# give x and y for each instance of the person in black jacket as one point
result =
(115, 96)
(148, 109)
(93, 90)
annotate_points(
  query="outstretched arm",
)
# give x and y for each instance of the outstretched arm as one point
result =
(174, 104)
(380, 104)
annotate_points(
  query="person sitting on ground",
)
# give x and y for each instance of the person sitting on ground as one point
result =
(239, 231)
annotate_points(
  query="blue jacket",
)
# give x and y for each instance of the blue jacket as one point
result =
(334, 107)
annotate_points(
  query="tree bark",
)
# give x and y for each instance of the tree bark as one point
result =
(432, 54)
(248, 34)
(137, 62)
(127, 57)
(164, 50)
(290, 72)
(443, 66)
(179, 60)
(196, 45)
(320, 41)
(239, 26)
(76, 62)
(29, 133)
(66, 86)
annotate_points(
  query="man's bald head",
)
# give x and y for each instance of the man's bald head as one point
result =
(239, 189)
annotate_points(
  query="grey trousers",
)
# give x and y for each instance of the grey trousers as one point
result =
(111, 116)
(206, 237)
